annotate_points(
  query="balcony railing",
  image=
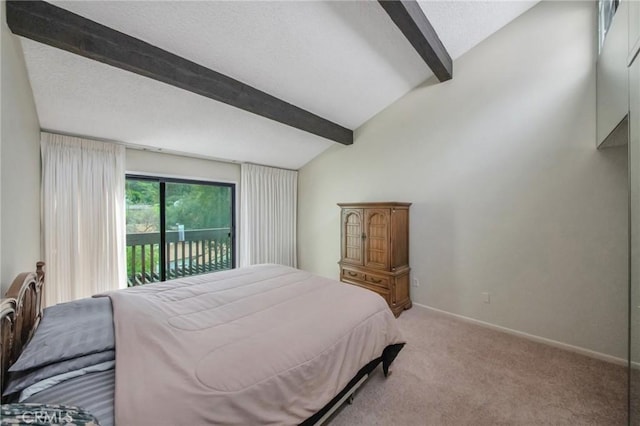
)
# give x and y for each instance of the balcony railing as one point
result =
(187, 253)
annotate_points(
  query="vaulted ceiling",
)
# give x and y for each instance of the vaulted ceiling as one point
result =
(344, 61)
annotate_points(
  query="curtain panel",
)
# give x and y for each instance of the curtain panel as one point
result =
(268, 205)
(83, 217)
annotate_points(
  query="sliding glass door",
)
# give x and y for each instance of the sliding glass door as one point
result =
(199, 228)
(177, 228)
(143, 231)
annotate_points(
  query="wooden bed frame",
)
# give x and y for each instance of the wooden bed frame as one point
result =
(20, 313)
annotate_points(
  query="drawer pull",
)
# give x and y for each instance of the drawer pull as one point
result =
(373, 280)
(353, 274)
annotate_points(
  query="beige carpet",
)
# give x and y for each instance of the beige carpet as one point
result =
(455, 373)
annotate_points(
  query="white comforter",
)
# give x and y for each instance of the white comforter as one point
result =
(261, 345)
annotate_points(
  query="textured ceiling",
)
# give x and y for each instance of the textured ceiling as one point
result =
(344, 61)
(463, 24)
(84, 97)
(340, 60)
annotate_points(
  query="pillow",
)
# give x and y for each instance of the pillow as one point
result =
(52, 381)
(69, 330)
(22, 379)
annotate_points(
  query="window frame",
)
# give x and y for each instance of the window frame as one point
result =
(162, 181)
(606, 12)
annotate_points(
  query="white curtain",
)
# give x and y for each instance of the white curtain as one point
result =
(83, 217)
(268, 215)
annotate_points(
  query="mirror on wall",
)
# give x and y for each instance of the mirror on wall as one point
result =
(618, 123)
(634, 299)
(633, 62)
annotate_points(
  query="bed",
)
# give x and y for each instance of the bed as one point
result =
(265, 344)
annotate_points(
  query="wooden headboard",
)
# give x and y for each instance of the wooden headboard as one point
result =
(20, 313)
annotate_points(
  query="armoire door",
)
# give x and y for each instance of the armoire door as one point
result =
(352, 236)
(376, 243)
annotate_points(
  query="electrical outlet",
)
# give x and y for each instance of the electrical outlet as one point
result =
(415, 282)
(486, 297)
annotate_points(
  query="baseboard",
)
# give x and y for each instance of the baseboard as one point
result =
(550, 342)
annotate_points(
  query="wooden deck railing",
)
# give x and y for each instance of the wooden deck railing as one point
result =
(198, 252)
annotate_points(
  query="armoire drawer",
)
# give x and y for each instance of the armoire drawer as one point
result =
(352, 275)
(377, 280)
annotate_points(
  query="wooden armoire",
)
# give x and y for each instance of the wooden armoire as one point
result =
(375, 250)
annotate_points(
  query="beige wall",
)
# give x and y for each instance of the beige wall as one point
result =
(169, 165)
(510, 195)
(20, 164)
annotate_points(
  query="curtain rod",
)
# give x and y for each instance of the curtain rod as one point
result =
(273, 167)
(138, 147)
(160, 150)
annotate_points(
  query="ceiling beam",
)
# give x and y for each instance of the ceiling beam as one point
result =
(410, 19)
(57, 27)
